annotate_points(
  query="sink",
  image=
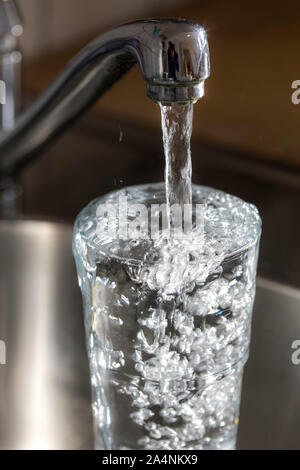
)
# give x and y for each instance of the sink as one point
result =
(44, 386)
(270, 407)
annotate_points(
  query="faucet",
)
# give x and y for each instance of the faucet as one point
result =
(173, 58)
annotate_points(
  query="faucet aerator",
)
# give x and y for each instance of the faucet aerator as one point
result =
(179, 94)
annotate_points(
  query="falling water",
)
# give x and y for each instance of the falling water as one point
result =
(176, 122)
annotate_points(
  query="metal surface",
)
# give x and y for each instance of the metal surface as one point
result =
(44, 386)
(270, 407)
(173, 58)
(10, 62)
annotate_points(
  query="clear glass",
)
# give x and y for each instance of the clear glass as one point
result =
(168, 324)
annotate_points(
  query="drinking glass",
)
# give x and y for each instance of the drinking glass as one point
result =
(167, 318)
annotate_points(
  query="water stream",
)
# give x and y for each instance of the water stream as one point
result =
(176, 123)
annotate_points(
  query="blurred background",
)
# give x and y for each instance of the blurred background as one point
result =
(246, 141)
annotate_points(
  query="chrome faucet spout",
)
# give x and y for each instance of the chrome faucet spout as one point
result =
(174, 61)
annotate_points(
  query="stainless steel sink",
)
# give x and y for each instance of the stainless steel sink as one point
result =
(270, 411)
(44, 387)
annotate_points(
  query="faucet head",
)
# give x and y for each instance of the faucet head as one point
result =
(174, 60)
